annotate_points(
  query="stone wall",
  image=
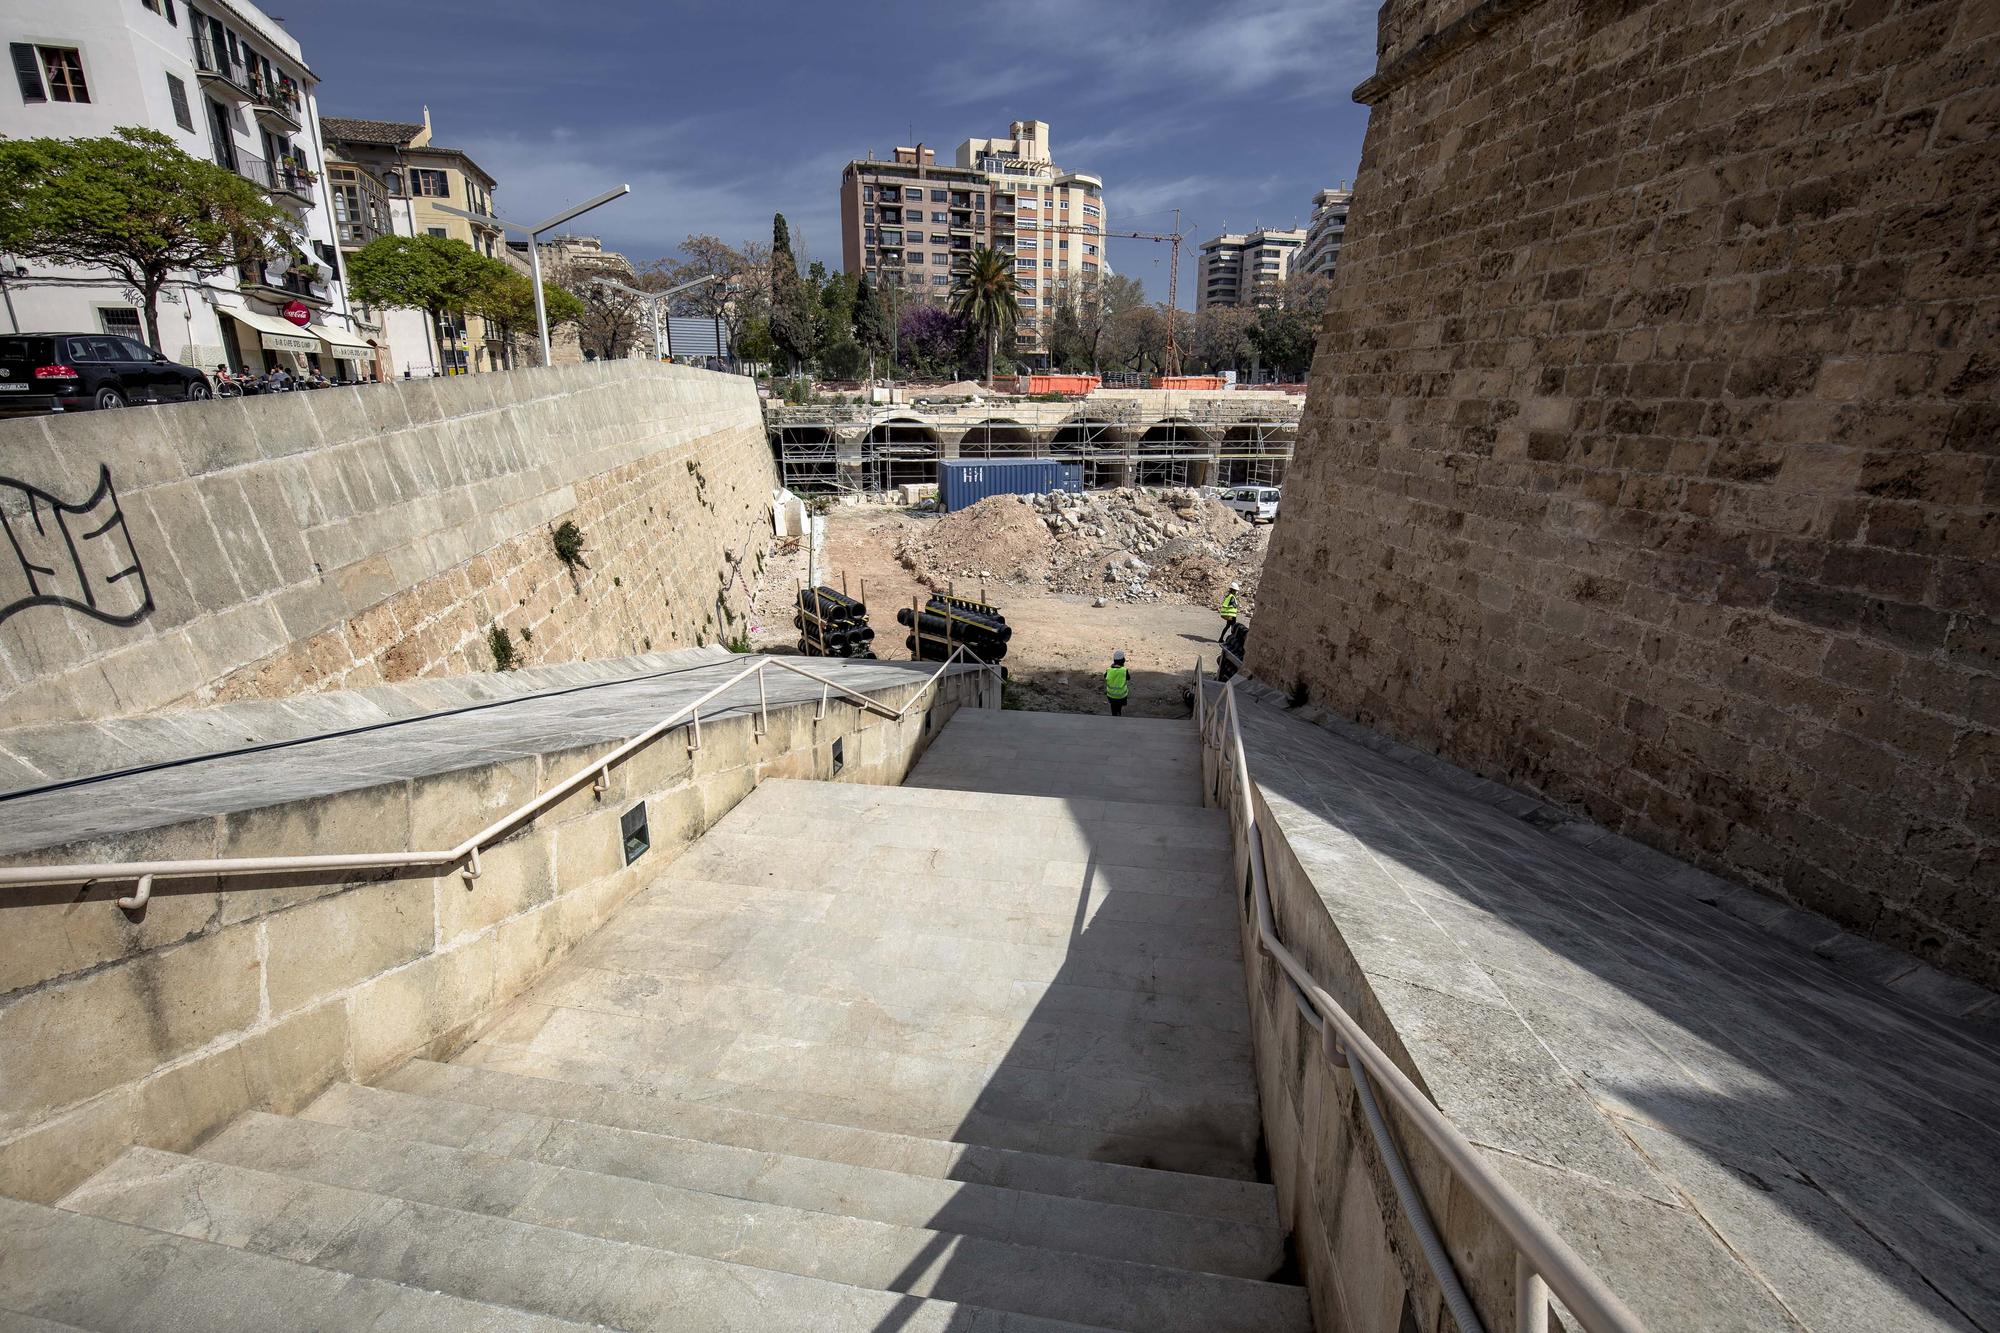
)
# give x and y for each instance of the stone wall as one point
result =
(216, 1000)
(349, 537)
(1650, 458)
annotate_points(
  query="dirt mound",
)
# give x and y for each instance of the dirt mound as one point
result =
(1124, 545)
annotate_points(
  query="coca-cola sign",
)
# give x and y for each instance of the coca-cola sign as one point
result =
(297, 312)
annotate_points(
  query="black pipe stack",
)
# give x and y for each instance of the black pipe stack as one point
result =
(946, 623)
(833, 624)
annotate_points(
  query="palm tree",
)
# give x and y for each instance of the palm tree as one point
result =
(987, 297)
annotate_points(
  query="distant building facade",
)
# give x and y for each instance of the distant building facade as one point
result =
(1326, 230)
(910, 226)
(573, 263)
(1246, 268)
(228, 85)
(416, 176)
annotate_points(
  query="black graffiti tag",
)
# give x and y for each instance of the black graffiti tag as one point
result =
(75, 555)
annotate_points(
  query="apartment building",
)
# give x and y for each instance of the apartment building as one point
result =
(910, 225)
(225, 83)
(417, 176)
(1326, 230)
(1246, 268)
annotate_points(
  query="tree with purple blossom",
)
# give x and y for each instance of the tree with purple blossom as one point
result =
(931, 342)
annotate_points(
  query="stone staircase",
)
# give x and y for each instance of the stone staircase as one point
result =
(966, 1054)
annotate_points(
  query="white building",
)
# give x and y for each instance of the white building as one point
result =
(1246, 268)
(228, 85)
(1326, 230)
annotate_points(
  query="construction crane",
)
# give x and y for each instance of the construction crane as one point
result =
(1173, 240)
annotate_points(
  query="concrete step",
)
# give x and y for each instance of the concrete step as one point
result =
(557, 1184)
(905, 1089)
(890, 1015)
(61, 1269)
(711, 939)
(993, 1212)
(1226, 1151)
(544, 1100)
(499, 1261)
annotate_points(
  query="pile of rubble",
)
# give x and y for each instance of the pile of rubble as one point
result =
(1127, 545)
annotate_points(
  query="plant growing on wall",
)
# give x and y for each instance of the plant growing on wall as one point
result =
(567, 538)
(135, 204)
(502, 645)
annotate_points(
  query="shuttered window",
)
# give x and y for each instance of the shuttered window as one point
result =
(183, 113)
(62, 66)
(28, 70)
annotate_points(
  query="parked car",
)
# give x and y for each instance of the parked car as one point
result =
(65, 372)
(1259, 504)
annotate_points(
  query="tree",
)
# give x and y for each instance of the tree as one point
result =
(506, 298)
(434, 274)
(754, 343)
(835, 296)
(135, 204)
(741, 275)
(1221, 338)
(931, 341)
(791, 308)
(987, 297)
(872, 328)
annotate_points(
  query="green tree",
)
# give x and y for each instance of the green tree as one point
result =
(987, 297)
(135, 204)
(791, 318)
(836, 296)
(434, 274)
(872, 328)
(505, 297)
(754, 341)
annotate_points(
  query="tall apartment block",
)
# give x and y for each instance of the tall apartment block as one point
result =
(1246, 268)
(1325, 231)
(910, 225)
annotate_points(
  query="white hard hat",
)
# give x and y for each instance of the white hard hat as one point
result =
(1118, 656)
(1236, 587)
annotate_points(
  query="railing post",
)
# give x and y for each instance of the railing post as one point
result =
(694, 734)
(763, 707)
(1531, 1298)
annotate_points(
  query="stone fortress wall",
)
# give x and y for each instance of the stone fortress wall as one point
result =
(266, 547)
(1650, 460)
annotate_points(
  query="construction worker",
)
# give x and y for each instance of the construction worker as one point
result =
(1228, 611)
(1117, 683)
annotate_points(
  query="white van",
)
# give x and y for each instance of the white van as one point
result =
(1258, 504)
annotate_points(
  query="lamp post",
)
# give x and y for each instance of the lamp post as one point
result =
(653, 300)
(534, 235)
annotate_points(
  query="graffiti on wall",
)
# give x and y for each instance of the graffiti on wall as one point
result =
(78, 556)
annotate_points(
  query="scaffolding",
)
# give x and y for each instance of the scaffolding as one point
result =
(1118, 440)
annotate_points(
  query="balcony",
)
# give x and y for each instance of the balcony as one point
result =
(292, 180)
(277, 104)
(353, 234)
(221, 74)
(288, 285)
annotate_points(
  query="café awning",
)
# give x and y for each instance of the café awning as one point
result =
(347, 346)
(276, 335)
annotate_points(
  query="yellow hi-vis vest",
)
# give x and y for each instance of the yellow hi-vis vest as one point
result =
(1115, 686)
(1229, 606)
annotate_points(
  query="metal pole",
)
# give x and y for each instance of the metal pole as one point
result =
(1531, 1298)
(541, 309)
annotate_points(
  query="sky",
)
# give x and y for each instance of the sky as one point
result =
(720, 114)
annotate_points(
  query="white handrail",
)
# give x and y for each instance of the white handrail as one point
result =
(1541, 1255)
(145, 872)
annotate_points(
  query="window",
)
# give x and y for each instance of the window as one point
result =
(438, 231)
(98, 349)
(937, 196)
(868, 194)
(916, 256)
(63, 67)
(1028, 302)
(939, 238)
(938, 217)
(136, 350)
(183, 114)
(429, 184)
(940, 259)
(940, 279)
(393, 182)
(49, 73)
(164, 8)
(119, 319)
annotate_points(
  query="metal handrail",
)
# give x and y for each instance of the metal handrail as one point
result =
(597, 773)
(1543, 1261)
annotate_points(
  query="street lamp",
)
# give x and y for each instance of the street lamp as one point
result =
(534, 235)
(654, 300)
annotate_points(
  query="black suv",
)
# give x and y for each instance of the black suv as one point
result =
(61, 372)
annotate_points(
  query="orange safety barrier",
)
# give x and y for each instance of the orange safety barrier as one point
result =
(1188, 382)
(1066, 384)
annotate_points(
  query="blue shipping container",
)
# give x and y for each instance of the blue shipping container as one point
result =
(964, 482)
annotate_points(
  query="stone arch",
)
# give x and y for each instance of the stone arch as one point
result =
(1097, 444)
(1256, 453)
(903, 451)
(1174, 451)
(997, 437)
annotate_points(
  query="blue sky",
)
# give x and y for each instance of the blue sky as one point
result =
(720, 114)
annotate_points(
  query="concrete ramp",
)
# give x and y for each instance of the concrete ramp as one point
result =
(864, 1057)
